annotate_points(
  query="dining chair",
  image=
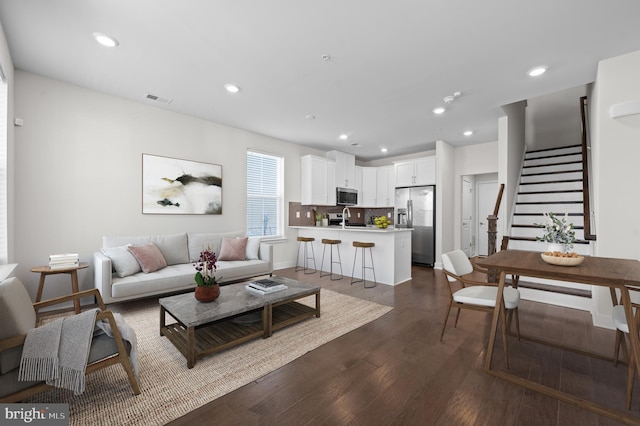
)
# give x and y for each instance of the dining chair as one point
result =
(469, 289)
(622, 330)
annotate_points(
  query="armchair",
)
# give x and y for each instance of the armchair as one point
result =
(18, 315)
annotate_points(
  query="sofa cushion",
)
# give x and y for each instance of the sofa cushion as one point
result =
(202, 240)
(233, 248)
(173, 247)
(252, 251)
(149, 257)
(123, 261)
(17, 317)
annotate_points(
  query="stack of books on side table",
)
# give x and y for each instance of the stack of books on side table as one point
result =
(64, 260)
(265, 286)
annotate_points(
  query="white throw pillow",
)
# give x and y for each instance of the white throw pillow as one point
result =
(123, 261)
(253, 248)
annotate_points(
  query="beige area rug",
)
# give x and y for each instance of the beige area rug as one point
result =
(170, 389)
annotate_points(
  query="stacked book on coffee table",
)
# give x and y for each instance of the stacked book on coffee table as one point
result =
(64, 260)
(265, 286)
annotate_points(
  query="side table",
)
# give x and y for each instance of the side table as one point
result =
(71, 270)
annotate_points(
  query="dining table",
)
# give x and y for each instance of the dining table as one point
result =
(612, 273)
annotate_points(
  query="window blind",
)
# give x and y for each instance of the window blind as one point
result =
(264, 194)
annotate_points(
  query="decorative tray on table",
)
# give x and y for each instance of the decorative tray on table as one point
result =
(562, 259)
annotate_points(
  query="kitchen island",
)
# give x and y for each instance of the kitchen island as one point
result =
(391, 255)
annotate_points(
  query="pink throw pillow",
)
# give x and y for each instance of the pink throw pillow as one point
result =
(233, 248)
(149, 257)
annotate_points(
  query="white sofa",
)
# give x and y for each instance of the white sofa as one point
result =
(116, 277)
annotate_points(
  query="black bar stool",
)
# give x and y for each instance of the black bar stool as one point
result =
(331, 243)
(305, 263)
(363, 246)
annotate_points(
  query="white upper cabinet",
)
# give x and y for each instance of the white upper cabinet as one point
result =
(419, 171)
(369, 187)
(317, 181)
(385, 187)
(358, 185)
(345, 168)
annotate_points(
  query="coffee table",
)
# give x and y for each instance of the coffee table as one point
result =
(205, 328)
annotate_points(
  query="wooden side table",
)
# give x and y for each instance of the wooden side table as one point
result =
(72, 270)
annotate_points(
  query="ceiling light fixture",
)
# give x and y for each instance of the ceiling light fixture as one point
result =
(343, 137)
(356, 144)
(451, 98)
(468, 132)
(105, 40)
(383, 150)
(537, 71)
(439, 110)
(232, 88)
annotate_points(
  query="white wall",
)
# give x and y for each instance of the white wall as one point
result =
(78, 173)
(615, 153)
(7, 68)
(445, 200)
(470, 161)
(511, 141)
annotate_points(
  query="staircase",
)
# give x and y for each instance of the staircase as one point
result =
(551, 182)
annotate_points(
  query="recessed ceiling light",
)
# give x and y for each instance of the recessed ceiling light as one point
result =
(383, 150)
(468, 132)
(343, 137)
(105, 40)
(438, 110)
(537, 71)
(232, 88)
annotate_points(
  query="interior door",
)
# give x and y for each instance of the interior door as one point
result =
(487, 195)
(467, 215)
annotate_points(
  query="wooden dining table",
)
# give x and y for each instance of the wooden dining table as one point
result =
(615, 274)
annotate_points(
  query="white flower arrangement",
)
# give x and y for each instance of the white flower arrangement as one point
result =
(557, 230)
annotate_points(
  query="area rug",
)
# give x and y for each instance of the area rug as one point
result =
(170, 389)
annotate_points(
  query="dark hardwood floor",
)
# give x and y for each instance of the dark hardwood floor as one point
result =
(395, 371)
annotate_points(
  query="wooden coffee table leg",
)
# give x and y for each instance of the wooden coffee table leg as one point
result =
(267, 320)
(191, 347)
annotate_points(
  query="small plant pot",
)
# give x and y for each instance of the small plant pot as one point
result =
(207, 294)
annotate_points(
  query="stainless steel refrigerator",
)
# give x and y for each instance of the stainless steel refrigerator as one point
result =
(415, 208)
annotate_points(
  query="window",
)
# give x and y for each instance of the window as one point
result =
(264, 194)
(3, 169)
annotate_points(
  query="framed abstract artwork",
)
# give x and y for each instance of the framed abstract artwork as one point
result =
(175, 186)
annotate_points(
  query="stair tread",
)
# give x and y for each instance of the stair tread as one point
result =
(555, 191)
(552, 164)
(534, 239)
(549, 202)
(543, 213)
(555, 148)
(557, 172)
(553, 156)
(551, 181)
(538, 226)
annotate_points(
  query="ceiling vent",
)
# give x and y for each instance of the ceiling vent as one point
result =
(155, 98)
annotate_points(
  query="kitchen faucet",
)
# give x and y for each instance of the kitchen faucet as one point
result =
(344, 218)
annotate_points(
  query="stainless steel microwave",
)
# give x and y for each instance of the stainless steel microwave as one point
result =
(346, 196)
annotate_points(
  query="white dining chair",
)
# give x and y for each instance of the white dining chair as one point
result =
(475, 293)
(622, 330)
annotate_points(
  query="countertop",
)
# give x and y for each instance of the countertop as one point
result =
(353, 228)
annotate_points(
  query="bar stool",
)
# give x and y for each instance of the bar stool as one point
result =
(305, 264)
(363, 246)
(331, 243)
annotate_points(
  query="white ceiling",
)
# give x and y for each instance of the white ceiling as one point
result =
(391, 62)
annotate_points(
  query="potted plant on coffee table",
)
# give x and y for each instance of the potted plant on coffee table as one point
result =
(207, 285)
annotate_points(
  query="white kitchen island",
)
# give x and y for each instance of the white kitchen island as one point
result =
(391, 255)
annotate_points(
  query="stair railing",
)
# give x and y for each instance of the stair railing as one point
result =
(586, 209)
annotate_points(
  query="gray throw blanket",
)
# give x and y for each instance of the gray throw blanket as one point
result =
(57, 352)
(127, 334)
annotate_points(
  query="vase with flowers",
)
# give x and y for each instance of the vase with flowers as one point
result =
(207, 285)
(558, 232)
